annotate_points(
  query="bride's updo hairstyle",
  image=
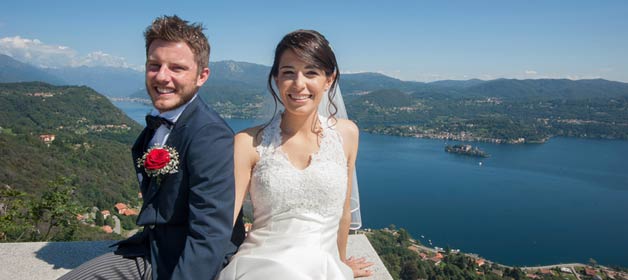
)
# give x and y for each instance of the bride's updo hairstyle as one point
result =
(312, 48)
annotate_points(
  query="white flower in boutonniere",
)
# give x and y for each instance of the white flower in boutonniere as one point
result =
(158, 161)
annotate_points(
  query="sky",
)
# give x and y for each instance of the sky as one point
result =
(410, 40)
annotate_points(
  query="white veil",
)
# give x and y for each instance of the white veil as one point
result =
(323, 110)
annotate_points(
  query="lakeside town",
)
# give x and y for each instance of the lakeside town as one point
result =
(439, 258)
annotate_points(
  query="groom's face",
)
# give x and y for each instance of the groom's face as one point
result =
(172, 76)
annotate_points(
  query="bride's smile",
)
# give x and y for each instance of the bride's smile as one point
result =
(301, 85)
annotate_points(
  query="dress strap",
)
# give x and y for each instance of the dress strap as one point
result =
(271, 136)
(331, 144)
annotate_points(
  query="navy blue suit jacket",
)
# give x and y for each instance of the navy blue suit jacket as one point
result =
(188, 217)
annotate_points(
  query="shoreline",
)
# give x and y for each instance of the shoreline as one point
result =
(462, 136)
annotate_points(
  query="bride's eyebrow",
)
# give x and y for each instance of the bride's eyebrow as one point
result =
(292, 67)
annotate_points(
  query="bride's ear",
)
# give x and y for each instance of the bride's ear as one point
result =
(330, 80)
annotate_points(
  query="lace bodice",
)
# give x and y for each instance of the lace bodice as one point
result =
(277, 185)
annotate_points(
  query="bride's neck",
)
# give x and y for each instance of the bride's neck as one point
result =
(292, 124)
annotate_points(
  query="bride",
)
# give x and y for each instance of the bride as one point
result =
(298, 170)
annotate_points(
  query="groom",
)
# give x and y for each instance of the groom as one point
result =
(187, 215)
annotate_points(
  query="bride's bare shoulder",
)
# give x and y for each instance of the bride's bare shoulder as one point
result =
(250, 137)
(348, 130)
(245, 143)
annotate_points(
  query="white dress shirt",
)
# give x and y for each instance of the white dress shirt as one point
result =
(162, 133)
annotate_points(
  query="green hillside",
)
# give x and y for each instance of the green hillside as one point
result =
(91, 146)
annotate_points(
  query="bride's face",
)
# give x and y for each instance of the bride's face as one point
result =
(301, 85)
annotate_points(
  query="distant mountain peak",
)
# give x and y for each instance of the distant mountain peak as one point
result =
(13, 70)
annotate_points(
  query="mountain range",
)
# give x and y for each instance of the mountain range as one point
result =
(110, 81)
(231, 81)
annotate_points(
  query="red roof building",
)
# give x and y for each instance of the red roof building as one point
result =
(129, 212)
(120, 207)
(47, 138)
(105, 213)
(590, 272)
(107, 229)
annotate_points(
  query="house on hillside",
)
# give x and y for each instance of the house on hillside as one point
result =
(105, 213)
(107, 229)
(129, 212)
(47, 138)
(591, 272)
(120, 207)
(123, 209)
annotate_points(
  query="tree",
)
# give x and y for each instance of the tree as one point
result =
(56, 210)
(592, 262)
(110, 222)
(403, 237)
(447, 249)
(100, 219)
(409, 271)
(128, 222)
(13, 214)
(515, 273)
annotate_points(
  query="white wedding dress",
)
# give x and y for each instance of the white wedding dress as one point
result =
(296, 213)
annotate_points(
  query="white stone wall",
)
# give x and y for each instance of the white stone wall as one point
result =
(50, 260)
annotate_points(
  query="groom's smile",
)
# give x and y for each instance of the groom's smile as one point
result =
(172, 76)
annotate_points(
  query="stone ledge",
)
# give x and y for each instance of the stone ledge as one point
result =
(50, 260)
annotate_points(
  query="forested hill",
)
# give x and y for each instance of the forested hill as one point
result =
(91, 146)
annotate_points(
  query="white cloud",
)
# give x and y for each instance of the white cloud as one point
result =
(35, 52)
(530, 72)
(99, 58)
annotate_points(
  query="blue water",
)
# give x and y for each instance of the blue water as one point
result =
(558, 202)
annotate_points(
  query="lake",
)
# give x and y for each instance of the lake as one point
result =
(558, 202)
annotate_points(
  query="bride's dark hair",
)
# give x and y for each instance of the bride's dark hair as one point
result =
(311, 47)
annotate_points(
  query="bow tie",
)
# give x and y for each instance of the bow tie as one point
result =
(154, 122)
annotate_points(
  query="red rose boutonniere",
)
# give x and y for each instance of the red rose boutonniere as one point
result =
(159, 160)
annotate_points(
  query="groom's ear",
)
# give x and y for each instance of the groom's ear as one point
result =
(203, 76)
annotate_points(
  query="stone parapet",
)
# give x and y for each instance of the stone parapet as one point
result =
(50, 260)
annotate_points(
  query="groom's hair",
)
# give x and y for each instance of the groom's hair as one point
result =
(174, 29)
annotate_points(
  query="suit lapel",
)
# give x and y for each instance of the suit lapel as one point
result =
(138, 150)
(175, 140)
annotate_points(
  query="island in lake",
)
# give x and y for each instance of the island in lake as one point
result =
(467, 150)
